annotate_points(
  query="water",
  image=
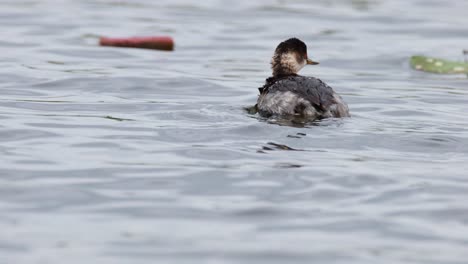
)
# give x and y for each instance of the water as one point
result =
(136, 156)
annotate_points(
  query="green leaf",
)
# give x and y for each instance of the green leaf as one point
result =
(251, 109)
(434, 65)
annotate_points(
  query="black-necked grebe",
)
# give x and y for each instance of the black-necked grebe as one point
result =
(287, 93)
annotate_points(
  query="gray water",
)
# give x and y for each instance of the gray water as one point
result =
(112, 155)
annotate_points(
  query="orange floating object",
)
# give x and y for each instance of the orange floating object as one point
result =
(158, 43)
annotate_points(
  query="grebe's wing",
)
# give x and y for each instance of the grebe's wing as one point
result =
(314, 90)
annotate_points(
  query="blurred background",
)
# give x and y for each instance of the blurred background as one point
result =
(113, 155)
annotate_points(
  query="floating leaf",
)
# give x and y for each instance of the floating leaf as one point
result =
(251, 109)
(434, 65)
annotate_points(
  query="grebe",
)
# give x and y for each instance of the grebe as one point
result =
(288, 94)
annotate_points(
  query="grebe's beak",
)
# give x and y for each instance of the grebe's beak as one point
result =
(311, 62)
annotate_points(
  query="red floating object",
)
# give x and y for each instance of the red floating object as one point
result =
(158, 43)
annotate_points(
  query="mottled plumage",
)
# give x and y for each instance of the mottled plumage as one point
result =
(300, 95)
(286, 93)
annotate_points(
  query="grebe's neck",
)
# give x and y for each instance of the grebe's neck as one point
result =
(287, 63)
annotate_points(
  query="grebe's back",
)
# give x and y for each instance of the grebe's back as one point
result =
(299, 95)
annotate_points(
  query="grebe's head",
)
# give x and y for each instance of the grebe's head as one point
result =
(290, 56)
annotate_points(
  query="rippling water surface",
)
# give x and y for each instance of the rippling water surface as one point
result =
(115, 155)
